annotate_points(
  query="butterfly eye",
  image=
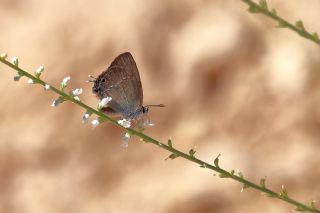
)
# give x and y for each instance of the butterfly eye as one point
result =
(96, 90)
(103, 80)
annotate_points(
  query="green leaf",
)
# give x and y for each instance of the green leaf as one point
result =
(263, 182)
(300, 25)
(216, 161)
(172, 156)
(263, 4)
(170, 143)
(232, 172)
(192, 152)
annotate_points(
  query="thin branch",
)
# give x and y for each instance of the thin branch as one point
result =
(282, 195)
(298, 27)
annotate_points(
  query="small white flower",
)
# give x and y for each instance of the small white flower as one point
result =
(39, 71)
(77, 98)
(46, 87)
(85, 118)
(104, 102)
(58, 101)
(77, 92)
(95, 123)
(55, 103)
(15, 61)
(30, 81)
(3, 55)
(125, 140)
(65, 82)
(125, 123)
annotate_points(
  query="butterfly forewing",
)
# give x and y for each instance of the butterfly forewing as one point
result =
(122, 83)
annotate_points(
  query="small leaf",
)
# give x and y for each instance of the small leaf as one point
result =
(283, 193)
(313, 204)
(170, 143)
(172, 156)
(263, 182)
(232, 172)
(263, 4)
(274, 12)
(192, 152)
(216, 161)
(315, 36)
(300, 25)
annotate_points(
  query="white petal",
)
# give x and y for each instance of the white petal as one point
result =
(104, 102)
(65, 81)
(46, 87)
(40, 70)
(125, 123)
(95, 123)
(3, 55)
(30, 81)
(77, 91)
(85, 118)
(77, 98)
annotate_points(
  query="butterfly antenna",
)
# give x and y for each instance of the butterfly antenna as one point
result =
(156, 105)
(91, 80)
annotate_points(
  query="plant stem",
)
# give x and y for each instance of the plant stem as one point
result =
(146, 138)
(282, 22)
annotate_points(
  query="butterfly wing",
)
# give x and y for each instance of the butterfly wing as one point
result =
(121, 82)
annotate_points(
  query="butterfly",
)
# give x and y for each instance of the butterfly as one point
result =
(121, 81)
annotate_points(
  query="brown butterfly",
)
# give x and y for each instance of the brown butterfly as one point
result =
(121, 82)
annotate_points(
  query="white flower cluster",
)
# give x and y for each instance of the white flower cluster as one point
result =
(3, 56)
(65, 82)
(76, 92)
(125, 123)
(104, 102)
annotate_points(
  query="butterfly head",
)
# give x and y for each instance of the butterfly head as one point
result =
(98, 85)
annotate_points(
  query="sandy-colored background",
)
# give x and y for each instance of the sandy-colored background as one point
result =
(233, 84)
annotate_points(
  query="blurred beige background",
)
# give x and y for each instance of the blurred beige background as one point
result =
(232, 82)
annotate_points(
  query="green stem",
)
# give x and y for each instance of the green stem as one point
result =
(282, 22)
(169, 148)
